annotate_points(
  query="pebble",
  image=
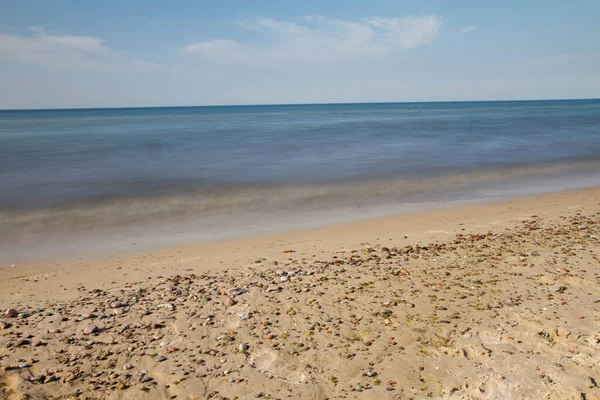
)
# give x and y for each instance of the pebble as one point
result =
(89, 329)
(22, 342)
(559, 289)
(11, 313)
(236, 292)
(229, 301)
(160, 359)
(386, 312)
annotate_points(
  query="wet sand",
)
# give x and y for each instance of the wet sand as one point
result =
(489, 301)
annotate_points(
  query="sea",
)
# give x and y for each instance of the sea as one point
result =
(77, 181)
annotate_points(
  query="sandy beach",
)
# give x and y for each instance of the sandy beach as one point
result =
(489, 301)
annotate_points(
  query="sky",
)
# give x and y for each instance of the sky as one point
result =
(73, 53)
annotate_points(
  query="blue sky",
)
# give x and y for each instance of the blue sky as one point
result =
(75, 53)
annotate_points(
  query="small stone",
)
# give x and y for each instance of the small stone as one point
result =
(236, 292)
(229, 301)
(146, 379)
(24, 365)
(441, 308)
(160, 359)
(22, 342)
(4, 325)
(558, 289)
(89, 329)
(168, 306)
(118, 311)
(273, 288)
(11, 313)
(243, 347)
(386, 312)
(475, 280)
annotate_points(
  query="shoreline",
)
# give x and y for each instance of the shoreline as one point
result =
(418, 226)
(91, 230)
(496, 300)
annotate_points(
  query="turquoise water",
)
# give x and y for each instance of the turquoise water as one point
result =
(96, 166)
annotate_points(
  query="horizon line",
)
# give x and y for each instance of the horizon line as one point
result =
(295, 104)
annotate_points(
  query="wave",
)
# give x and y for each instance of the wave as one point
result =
(205, 202)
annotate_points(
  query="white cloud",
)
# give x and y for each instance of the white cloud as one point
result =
(319, 38)
(63, 52)
(468, 29)
(212, 47)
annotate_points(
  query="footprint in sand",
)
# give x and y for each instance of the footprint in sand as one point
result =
(488, 338)
(272, 363)
(468, 352)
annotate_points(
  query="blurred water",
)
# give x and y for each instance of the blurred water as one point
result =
(98, 166)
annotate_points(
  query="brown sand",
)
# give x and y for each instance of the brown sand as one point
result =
(495, 301)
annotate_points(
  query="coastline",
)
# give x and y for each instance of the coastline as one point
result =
(466, 320)
(420, 227)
